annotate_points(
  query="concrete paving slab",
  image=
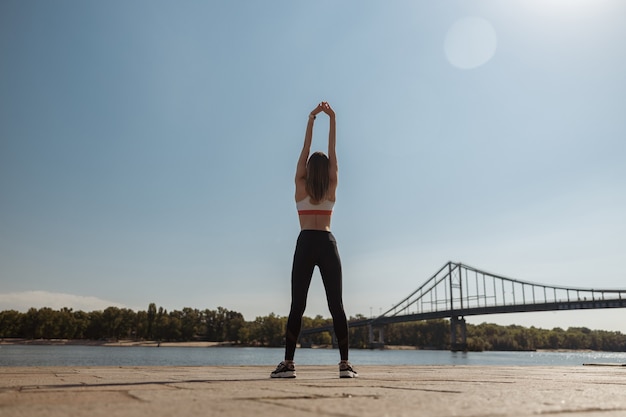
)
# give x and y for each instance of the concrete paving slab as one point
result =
(438, 391)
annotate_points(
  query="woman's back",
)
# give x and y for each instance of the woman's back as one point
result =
(314, 216)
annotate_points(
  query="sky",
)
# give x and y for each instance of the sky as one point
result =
(148, 149)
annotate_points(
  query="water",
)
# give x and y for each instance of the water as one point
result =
(29, 355)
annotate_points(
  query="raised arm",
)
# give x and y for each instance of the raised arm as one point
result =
(332, 140)
(306, 149)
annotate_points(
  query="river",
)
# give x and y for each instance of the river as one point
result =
(35, 355)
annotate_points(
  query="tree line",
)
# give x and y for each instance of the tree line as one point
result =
(157, 324)
(223, 325)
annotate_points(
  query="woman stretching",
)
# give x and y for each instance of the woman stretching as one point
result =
(316, 184)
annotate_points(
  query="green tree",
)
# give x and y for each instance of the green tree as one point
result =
(111, 321)
(152, 312)
(68, 328)
(174, 326)
(190, 323)
(81, 320)
(11, 324)
(140, 328)
(96, 328)
(161, 324)
(270, 330)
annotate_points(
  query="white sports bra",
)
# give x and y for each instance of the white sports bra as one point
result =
(305, 207)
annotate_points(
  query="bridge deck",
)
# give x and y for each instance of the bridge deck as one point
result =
(458, 290)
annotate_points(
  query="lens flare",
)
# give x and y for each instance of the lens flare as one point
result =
(470, 42)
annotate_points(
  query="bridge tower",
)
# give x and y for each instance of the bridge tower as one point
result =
(457, 323)
(376, 343)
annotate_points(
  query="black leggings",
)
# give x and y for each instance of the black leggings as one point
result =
(316, 247)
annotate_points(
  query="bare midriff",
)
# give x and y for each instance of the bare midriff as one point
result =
(315, 222)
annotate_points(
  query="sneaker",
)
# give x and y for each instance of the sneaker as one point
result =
(346, 370)
(284, 370)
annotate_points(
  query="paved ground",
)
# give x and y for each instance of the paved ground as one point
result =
(468, 391)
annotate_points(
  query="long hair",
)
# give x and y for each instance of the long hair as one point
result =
(317, 176)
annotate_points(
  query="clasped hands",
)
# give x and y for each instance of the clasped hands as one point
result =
(323, 107)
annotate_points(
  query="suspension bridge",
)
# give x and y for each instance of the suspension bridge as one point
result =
(458, 290)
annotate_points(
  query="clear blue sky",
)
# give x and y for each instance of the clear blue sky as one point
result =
(147, 149)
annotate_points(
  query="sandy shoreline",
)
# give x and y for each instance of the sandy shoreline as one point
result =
(113, 343)
(140, 343)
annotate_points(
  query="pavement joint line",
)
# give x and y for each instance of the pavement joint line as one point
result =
(305, 409)
(384, 387)
(423, 389)
(309, 397)
(121, 384)
(456, 381)
(134, 397)
(608, 383)
(582, 411)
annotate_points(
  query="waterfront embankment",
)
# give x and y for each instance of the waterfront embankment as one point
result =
(581, 391)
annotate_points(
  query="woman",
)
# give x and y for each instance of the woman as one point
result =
(316, 183)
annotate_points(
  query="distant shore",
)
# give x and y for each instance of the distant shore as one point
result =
(112, 343)
(192, 344)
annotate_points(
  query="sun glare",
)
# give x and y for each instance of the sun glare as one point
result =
(470, 42)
